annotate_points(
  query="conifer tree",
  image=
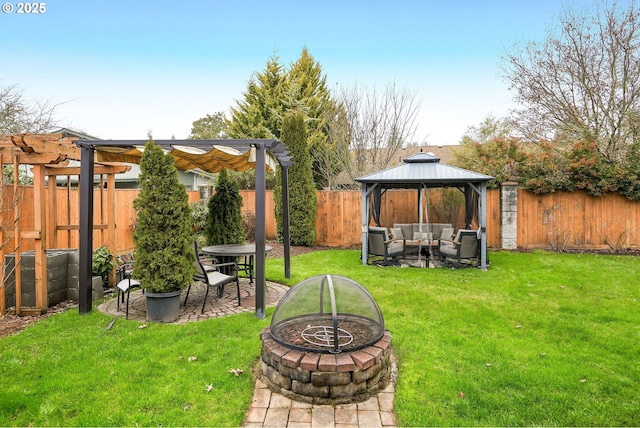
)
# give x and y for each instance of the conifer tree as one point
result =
(273, 93)
(163, 242)
(308, 85)
(224, 225)
(302, 196)
(259, 115)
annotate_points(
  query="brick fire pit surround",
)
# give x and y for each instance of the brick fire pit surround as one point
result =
(321, 378)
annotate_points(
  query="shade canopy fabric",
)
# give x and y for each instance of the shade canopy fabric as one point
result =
(187, 158)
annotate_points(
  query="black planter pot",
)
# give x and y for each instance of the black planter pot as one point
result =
(163, 307)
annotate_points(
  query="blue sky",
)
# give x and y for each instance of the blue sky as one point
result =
(121, 68)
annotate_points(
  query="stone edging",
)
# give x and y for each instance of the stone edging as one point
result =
(325, 378)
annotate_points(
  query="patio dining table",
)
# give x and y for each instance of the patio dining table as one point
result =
(232, 251)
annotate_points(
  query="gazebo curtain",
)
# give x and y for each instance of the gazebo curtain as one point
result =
(470, 207)
(375, 202)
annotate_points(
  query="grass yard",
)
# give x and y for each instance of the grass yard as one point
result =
(538, 339)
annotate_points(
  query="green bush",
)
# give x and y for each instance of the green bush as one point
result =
(302, 195)
(102, 263)
(590, 171)
(629, 182)
(249, 225)
(224, 225)
(545, 170)
(199, 214)
(163, 242)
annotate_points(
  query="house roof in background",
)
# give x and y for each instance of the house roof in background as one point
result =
(445, 153)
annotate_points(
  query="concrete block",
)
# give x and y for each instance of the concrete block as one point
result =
(330, 378)
(294, 373)
(348, 390)
(364, 375)
(309, 390)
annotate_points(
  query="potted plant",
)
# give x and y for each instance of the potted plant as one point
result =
(102, 264)
(163, 244)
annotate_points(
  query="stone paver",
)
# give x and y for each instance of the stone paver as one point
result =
(277, 417)
(346, 416)
(322, 416)
(369, 418)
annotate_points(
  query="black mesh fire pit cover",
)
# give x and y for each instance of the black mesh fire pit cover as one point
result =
(329, 314)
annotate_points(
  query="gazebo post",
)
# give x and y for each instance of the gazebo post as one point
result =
(483, 225)
(260, 233)
(365, 220)
(365, 223)
(285, 220)
(86, 230)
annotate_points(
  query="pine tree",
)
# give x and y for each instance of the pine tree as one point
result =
(302, 196)
(306, 81)
(224, 225)
(259, 115)
(163, 242)
(275, 92)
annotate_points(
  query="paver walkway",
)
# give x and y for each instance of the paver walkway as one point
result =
(269, 409)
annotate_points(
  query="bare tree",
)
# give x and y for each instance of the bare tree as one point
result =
(369, 127)
(583, 81)
(18, 115)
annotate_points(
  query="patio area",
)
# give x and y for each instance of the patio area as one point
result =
(215, 307)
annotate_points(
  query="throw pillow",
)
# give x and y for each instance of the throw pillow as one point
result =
(447, 233)
(422, 236)
(396, 233)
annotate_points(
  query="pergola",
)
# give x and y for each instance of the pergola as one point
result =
(48, 155)
(423, 171)
(208, 155)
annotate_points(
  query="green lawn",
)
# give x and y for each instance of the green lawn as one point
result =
(538, 339)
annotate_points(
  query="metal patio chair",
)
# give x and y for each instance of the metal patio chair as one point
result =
(381, 246)
(465, 246)
(211, 276)
(125, 285)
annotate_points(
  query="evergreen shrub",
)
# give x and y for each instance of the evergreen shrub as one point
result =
(163, 242)
(224, 225)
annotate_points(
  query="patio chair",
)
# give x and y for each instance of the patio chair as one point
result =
(381, 246)
(211, 276)
(125, 285)
(465, 246)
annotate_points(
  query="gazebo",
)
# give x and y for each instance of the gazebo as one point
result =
(424, 171)
(208, 155)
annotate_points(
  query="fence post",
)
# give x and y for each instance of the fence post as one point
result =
(509, 215)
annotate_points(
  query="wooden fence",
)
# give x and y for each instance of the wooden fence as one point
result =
(62, 225)
(559, 220)
(577, 220)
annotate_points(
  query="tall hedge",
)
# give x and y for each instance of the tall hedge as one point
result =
(163, 241)
(302, 196)
(224, 225)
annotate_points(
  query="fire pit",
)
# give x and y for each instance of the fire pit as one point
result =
(326, 343)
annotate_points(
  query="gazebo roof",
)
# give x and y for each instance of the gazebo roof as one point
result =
(423, 169)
